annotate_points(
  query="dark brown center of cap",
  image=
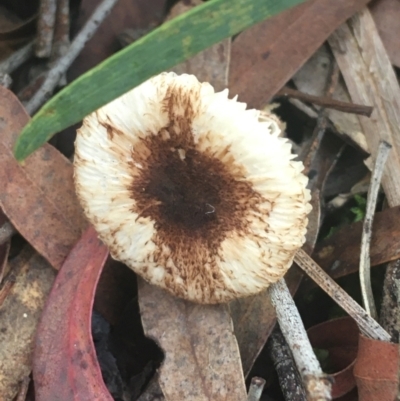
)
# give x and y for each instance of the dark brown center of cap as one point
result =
(194, 199)
(188, 193)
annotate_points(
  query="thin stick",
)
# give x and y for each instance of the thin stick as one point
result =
(369, 327)
(315, 381)
(23, 390)
(61, 36)
(365, 262)
(61, 66)
(327, 102)
(7, 230)
(256, 388)
(5, 80)
(19, 57)
(46, 22)
(289, 377)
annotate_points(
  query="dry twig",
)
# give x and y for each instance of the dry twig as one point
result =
(17, 58)
(61, 66)
(7, 230)
(365, 263)
(46, 23)
(315, 381)
(369, 327)
(327, 102)
(256, 388)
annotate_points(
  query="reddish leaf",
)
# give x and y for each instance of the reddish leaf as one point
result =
(38, 197)
(376, 370)
(386, 14)
(267, 55)
(65, 366)
(340, 338)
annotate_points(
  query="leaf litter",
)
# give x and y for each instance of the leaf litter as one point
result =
(39, 201)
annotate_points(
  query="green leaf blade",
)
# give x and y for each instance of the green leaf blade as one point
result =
(166, 46)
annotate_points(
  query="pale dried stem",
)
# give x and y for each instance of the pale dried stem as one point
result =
(316, 383)
(256, 388)
(368, 326)
(46, 23)
(61, 66)
(365, 262)
(19, 57)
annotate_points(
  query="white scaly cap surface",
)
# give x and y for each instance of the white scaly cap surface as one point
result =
(190, 190)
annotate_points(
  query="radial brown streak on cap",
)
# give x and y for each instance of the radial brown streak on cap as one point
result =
(195, 201)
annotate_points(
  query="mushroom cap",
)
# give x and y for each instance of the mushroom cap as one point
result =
(190, 190)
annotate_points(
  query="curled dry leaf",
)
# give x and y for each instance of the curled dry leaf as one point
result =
(65, 364)
(38, 197)
(20, 314)
(339, 255)
(376, 370)
(338, 337)
(267, 55)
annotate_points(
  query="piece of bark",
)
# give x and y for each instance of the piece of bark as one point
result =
(267, 55)
(38, 197)
(370, 79)
(386, 15)
(20, 314)
(389, 317)
(202, 359)
(339, 255)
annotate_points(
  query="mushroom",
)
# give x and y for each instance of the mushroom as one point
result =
(187, 188)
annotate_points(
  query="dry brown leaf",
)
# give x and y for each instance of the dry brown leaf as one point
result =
(386, 14)
(37, 197)
(201, 353)
(267, 55)
(339, 255)
(20, 313)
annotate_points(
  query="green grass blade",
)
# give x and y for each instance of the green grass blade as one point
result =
(166, 46)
